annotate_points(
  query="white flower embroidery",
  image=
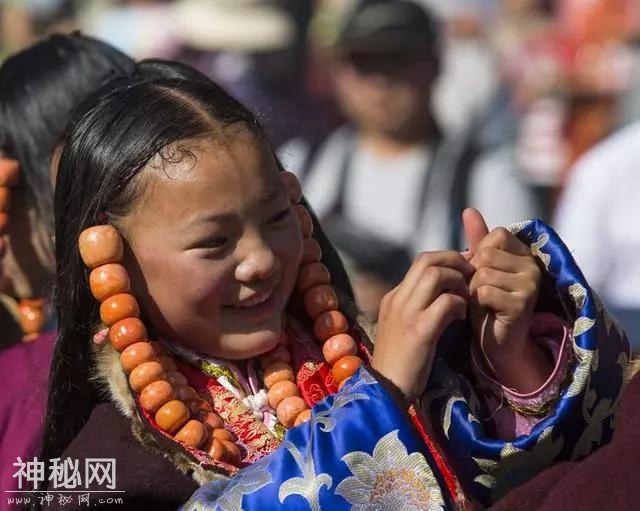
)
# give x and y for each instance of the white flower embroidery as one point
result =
(390, 480)
(328, 423)
(536, 250)
(246, 482)
(227, 495)
(516, 466)
(582, 325)
(516, 228)
(449, 387)
(578, 294)
(310, 484)
(596, 412)
(588, 361)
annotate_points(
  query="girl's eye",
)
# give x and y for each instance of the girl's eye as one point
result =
(212, 243)
(282, 215)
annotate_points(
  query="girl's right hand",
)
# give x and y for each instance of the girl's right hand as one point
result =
(414, 315)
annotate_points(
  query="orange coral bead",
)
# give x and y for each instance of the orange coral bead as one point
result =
(126, 332)
(4, 222)
(319, 299)
(172, 416)
(303, 416)
(212, 420)
(339, 346)
(330, 323)
(5, 199)
(108, 280)
(119, 307)
(289, 409)
(233, 453)
(32, 316)
(311, 251)
(145, 374)
(306, 222)
(156, 394)
(10, 172)
(345, 367)
(312, 274)
(223, 434)
(217, 451)
(176, 378)
(186, 393)
(136, 354)
(276, 372)
(278, 354)
(193, 433)
(281, 390)
(100, 245)
(293, 186)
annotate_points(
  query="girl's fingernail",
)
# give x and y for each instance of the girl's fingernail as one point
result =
(467, 254)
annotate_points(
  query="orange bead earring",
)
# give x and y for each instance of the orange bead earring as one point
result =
(31, 312)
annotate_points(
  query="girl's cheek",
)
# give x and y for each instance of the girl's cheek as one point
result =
(207, 282)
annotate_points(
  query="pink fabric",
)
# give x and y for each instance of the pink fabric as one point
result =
(549, 331)
(24, 371)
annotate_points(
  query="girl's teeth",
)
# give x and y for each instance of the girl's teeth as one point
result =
(256, 300)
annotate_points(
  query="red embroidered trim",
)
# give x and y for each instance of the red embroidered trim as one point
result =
(313, 376)
(449, 478)
(201, 456)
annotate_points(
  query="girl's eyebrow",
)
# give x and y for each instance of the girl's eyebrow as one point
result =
(269, 195)
(206, 218)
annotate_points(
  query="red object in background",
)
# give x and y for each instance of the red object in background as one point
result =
(596, 21)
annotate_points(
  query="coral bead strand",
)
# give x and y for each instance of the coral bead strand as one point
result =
(31, 312)
(164, 393)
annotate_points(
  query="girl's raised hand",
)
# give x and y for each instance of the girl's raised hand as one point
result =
(504, 290)
(413, 316)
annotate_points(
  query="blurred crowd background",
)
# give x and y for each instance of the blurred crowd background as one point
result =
(397, 115)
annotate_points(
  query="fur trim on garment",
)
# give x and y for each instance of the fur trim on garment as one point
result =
(111, 379)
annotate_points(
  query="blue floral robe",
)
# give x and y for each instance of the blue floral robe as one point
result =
(360, 451)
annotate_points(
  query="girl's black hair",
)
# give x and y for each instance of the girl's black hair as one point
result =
(106, 146)
(39, 88)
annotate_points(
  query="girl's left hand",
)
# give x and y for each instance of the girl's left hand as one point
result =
(504, 290)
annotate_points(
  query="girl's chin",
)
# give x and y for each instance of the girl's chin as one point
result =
(249, 345)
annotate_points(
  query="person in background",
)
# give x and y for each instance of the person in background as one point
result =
(257, 50)
(39, 87)
(598, 214)
(388, 175)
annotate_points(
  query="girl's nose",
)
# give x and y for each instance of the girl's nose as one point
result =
(258, 263)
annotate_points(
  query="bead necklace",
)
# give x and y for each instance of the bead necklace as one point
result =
(164, 392)
(30, 311)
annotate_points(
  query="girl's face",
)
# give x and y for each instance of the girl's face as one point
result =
(214, 247)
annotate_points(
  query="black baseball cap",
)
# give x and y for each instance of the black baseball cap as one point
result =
(389, 26)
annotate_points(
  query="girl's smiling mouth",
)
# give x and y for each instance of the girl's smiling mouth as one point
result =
(255, 300)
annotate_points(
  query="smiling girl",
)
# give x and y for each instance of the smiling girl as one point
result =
(236, 361)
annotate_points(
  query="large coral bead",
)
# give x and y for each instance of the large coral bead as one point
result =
(100, 245)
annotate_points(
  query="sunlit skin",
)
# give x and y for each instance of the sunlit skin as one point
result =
(208, 233)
